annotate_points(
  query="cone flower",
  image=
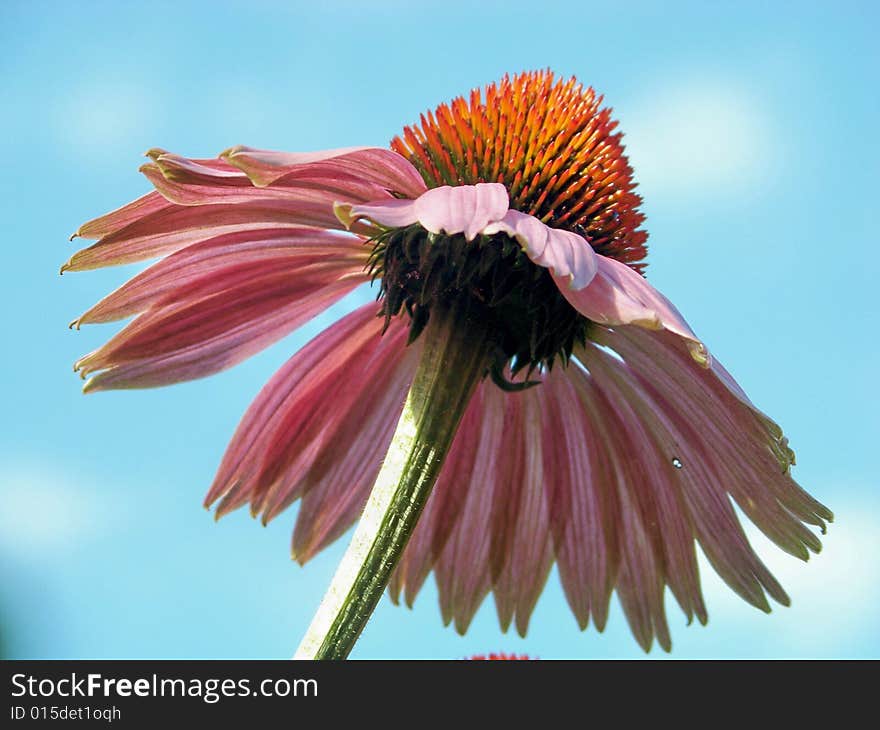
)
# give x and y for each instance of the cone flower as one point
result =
(600, 434)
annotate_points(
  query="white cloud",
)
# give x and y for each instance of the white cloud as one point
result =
(699, 137)
(104, 115)
(44, 512)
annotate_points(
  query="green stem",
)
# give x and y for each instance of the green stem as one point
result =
(455, 357)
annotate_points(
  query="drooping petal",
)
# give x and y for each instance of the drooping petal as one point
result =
(286, 469)
(374, 165)
(466, 209)
(583, 509)
(145, 205)
(507, 496)
(291, 444)
(199, 182)
(529, 557)
(170, 280)
(618, 295)
(216, 182)
(338, 483)
(198, 199)
(639, 579)
(295, 393)
(568, 256)
(682, 442)
(208, 187)
(173, 227)
(749, 446)
(665, 517)
(227, 317)
(462, 572)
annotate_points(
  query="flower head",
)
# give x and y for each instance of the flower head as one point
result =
(553, 147)
(604, 436)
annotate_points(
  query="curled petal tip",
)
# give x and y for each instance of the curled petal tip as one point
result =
(700, 354)
(75, 234)
(342, 211)
(222, 509)
(231, 151)
(154, 153)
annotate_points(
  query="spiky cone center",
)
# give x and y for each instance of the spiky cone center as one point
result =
(552, 146)
(551, 143)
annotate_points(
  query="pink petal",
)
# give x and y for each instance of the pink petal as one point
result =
(530, 557)
(462, 571)
(293, 392)
(212, 182)
(507, 497)
(227, 319)
(639, 580)
(464, 209)
(171, 279)
(374, 165)
(146, 205)
(618, 295)
(749, 447)
(202, 181)
(174, 227)
(714, 522)
(583, 509)
(566, 254)
(299, 438)
(339, 481)
(184, 169)
(208, 190)
(389, 213)
(685, 433)
(264, 167)
(667, 523)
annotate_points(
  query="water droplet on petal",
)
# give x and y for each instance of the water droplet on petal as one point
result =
(676, 462)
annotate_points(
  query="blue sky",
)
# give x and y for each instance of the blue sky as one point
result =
(752, 129)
